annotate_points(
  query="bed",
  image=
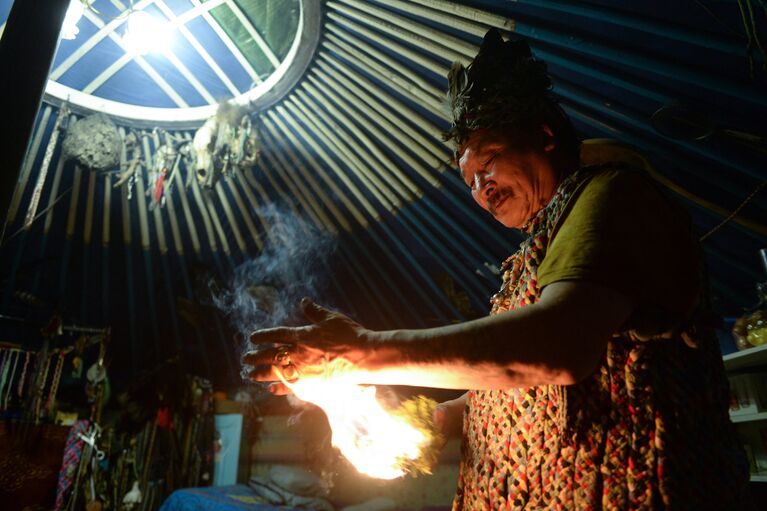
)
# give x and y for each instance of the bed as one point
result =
(218, 498)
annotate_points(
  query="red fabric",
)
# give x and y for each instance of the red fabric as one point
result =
(158, 187)
(164, 418)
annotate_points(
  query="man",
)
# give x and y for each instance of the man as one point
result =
(596, 384)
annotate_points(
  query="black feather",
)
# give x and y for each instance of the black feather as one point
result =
(504, 84)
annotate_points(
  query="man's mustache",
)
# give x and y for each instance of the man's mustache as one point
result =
(495, 199)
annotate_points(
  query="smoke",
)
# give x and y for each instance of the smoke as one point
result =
(265, 291)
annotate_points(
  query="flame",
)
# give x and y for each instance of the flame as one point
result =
(373, 440)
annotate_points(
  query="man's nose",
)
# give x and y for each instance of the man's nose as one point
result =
(485, 185)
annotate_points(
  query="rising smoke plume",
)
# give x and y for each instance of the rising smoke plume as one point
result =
(265, 291)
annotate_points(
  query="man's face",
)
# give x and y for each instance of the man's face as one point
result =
(510, 183)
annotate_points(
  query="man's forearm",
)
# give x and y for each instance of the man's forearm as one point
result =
(502, 351)
(557, 341)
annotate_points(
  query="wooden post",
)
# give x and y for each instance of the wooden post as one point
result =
(26, 52)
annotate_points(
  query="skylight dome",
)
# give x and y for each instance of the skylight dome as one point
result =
(171, 62)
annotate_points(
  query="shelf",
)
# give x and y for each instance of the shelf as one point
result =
(752, 357)
(759, 477)
(751, 417)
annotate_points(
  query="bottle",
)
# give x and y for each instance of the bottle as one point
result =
(751, 329)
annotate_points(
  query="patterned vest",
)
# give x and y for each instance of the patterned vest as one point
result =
(630, 437)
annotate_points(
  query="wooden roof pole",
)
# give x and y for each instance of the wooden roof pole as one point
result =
(26, 52)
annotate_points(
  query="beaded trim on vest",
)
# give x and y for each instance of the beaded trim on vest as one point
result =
(518, 287)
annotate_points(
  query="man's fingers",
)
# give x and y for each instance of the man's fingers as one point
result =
(266, 374)
(313, 312)
(279, 389)
(275, 335)
(263, 373)
(280, 335)
(261, 357)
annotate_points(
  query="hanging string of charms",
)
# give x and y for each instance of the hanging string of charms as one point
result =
(224, 145)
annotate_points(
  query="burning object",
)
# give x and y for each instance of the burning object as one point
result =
(378, 442)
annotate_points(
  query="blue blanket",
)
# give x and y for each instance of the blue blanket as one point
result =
(218, 498)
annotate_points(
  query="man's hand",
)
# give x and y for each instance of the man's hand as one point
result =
(448, 417)
(332, 342)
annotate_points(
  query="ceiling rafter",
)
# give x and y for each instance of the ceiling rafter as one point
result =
(253, 33)
(440, 44)
(199, 47)
(385, 42)
(328, 134)
(432, 13)
(390, 66)
(413, 93)
(377, 112)
(244, 62)
(107, 73)
(337, 69)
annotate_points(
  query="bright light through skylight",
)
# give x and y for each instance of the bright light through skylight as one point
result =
(144, 33)
(69, 29)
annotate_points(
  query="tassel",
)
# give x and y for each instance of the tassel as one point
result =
(133, 497)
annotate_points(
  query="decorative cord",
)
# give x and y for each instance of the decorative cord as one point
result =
(55, 383)
(735, 212)
(41, 388)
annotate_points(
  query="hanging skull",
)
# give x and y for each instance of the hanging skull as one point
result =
(202, 146)
(93, 142)
(223, 144)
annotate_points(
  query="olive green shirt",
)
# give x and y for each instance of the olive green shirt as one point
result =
(621, 231)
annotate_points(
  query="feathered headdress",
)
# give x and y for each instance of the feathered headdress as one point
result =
(503, 85)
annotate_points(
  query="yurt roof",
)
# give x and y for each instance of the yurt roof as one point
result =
(348, 99)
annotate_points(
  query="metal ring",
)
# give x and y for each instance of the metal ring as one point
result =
(290, 373)
(282, 358)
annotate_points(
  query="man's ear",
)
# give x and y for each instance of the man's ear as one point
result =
(549, 141)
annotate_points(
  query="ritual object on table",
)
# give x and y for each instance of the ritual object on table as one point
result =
(750, 330)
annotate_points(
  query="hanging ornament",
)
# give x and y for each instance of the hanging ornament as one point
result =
(165, 162)
(20, 389)
(50, 402)
(96, 373)
(224, 144)
(54, 328)
(59, 127)
(133, 497)
(77, 367)
(93, 142)
(132, 163)
(6, 397)
(41, 383)
(4, 367)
